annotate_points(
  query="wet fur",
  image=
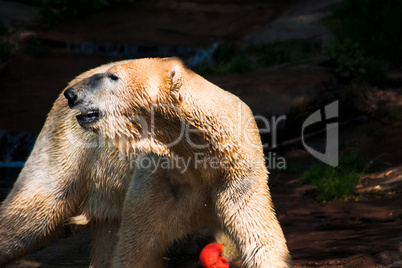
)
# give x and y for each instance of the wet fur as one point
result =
(136, 213)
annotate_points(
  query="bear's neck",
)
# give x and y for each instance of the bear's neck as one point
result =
(191, 132)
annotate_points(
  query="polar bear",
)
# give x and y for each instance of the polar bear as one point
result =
(147, 151)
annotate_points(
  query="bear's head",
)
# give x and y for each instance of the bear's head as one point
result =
(119, 104)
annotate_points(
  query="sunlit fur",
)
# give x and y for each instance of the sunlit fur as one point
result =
(136, 212)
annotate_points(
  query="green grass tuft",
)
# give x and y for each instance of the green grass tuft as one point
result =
(336, 183)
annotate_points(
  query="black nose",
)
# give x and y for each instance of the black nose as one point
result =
(71, 97)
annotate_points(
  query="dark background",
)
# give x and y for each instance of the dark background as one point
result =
(283, 58)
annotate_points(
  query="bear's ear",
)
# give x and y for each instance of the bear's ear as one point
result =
(176, 77)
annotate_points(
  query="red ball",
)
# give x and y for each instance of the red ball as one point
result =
(210, 256)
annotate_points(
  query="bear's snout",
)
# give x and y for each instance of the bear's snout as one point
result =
(71, 97)
(89, 114)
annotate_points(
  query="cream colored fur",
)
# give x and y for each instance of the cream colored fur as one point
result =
(137, 211)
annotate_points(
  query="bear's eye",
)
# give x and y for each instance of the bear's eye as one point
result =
(113, 77)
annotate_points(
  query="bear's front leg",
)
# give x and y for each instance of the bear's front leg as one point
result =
(48, 191)
(246, 213)
(35, 210)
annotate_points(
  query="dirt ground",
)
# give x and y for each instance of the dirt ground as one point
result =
(366, 232)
